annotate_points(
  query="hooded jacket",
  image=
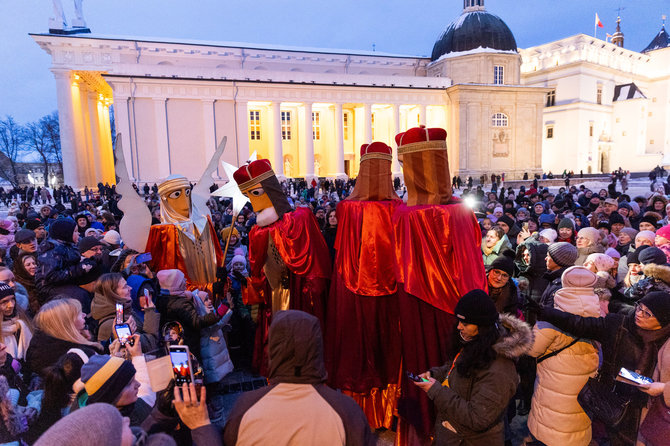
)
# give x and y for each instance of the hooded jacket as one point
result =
(297, 408)
(556, 418)
(474, 406)
(534, 271)
(103, 310)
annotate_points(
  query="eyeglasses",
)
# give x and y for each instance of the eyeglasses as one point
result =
(501, 274)
(643, 311)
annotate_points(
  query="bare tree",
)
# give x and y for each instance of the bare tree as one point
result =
(52, 129)
(12, 137)
(37, 140)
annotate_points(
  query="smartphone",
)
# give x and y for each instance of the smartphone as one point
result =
(525, 226)
(181, 364)
(416, 378)
(143, 258)
(119, 314)
(144, 300)
(124, 334)
(633, 378)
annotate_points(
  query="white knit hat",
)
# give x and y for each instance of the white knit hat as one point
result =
(592, 234)
(549, 234)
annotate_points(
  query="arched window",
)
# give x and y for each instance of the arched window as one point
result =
(499, 120)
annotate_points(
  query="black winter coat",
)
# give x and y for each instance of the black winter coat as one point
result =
(45, 350)
(534, 271)
(59, 263)
(555, 283)
(181, 309)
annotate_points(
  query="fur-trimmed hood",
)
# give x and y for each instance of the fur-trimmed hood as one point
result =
(516, 339)
(658, 272)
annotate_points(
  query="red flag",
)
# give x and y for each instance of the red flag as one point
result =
(599, 24)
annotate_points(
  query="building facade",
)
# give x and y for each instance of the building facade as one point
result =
(306, 110)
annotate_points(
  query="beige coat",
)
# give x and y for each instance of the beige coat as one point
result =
(556, 418)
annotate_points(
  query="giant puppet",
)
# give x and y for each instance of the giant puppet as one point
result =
(288, 257)
(362, 339)
(438, 259)
(185, 239)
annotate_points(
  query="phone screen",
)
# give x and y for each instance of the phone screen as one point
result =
(181, 365)
(119, 314)
(142, 258)
(123, 333)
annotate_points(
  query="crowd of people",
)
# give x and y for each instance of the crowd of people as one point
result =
(587, 272)
(590, 273)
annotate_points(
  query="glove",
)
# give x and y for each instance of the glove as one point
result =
(164, 400)
(222, 309)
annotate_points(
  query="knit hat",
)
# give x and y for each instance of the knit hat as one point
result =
(658, 303)
(24, 236)
(87, 243)
(549, 234)
(62, 229)
(615, 218)
(33, 224)
(5, 290)
(172, 280)
(507, 220)
(563, 253)
(523, 211)
(613, 253)
(477, 308)
(604, 224)
(635, 207)
(649, 219)
(653, 255)
(497, 209)
(105, 376)
(645, 235)
(225, 231)
(503, 263)
(592, 234)
(566, 223)
(547, 218)
(632, 233)
(634, 257)
(103, 420)
(625, 205)
(112, 237)
(663, 232)
(602, 262)
(579, 277)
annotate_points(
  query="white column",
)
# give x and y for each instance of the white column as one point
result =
(308, 164)
(277, 152)
(395, 165)
(367, 126)
(96, 145)
(339, 143)
(106, 154)
(422, 114)
(242, 132)
(122, 127)
(209, 134)
(163, 158)
(65, 115)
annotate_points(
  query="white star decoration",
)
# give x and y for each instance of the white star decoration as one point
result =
(231, 189)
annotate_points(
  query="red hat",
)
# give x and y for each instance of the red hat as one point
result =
(418, 139)
(252, 174)
(377, 150)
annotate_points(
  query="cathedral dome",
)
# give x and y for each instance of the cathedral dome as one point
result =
(475, 28)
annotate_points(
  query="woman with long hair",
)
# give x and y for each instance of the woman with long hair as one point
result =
(472, 392)
(17, 329)
(330, 232)
(111, 289)
(25, 267)
(60, 326)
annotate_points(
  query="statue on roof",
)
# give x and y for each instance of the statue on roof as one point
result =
(58, 23)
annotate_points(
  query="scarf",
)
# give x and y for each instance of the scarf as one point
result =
(16, 348)
(653, 341)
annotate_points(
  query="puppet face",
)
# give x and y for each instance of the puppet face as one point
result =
(258, 198)
(180, 201)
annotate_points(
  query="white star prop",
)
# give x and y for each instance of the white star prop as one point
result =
(231, 189)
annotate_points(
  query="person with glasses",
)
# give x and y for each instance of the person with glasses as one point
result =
(502, 291)
(643, 347)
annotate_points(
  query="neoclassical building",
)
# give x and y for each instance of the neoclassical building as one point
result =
(307, 110)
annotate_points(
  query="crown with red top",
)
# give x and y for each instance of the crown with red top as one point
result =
(377, 150)
(418, 139)
(253, 173)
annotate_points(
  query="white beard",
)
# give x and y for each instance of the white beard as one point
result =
(267, 216)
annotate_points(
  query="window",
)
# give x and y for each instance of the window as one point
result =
(316, 125)
(551, 98)
(590, 129)
(498, 74)
(499, 120)
(550, 132)
(286, 125)
(345, 125)
(372, 126)
(255, 125)
(599, 95)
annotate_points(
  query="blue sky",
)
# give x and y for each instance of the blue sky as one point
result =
(27, 88)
